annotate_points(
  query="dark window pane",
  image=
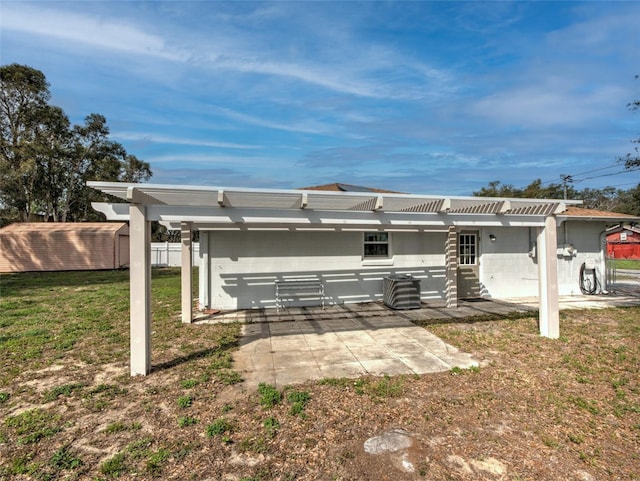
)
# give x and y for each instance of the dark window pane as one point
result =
(376, 250)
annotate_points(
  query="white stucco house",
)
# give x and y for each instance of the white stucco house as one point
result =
(239, 267)
(348, 239)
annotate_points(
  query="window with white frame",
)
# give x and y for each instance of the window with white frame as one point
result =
(467, 249)
(376, 245)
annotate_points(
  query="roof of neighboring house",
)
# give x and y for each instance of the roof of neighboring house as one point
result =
(594, 214)
(85, 227)
(337, 187)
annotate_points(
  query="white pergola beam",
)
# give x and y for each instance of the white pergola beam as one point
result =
(140, 290)
(549, 313)
(309, 217)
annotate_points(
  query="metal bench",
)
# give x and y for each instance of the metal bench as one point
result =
(298, 288)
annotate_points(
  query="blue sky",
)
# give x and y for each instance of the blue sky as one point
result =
(422, 97)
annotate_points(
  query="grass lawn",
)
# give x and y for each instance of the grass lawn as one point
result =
(633, 264)
(536, 409)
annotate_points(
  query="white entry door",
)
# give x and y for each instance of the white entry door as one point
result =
(468, 265)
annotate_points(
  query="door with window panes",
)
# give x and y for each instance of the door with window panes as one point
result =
(468, 265)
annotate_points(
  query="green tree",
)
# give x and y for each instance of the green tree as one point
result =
(50, 152)
(535, 190)
(608, 198)
(629, 201)
(495, 189)
(93, 157)
(24, 96)
(45, 162)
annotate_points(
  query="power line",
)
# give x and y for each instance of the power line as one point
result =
(602, 175)
(570, 178)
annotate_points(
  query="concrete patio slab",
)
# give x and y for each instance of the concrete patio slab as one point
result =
(298, 351)
(390, 367)
(351, 370)
(425, 363)
(300, 344)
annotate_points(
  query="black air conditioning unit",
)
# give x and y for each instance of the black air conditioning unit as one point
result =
(401, 291)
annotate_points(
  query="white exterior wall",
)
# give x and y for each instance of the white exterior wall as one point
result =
(585, 237)
(507, 270)
(245, 265)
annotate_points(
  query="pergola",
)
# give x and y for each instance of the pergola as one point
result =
(190, 208)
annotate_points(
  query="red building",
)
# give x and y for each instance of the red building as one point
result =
(623, 242)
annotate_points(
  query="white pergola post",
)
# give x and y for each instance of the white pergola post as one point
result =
(451, 268)
(547, 246)
(140, 290)
(186, 271)
(204, 272)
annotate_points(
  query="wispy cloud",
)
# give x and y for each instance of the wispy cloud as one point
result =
(201, 160)
(160, 139)
(83, 29)
(542, 106)
(358, 76)
(309, 127)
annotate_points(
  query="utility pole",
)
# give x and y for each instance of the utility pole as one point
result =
(566, 179)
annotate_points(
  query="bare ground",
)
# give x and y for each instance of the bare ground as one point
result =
(536, 409)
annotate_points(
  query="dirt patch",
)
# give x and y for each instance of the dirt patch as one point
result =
(536, 409)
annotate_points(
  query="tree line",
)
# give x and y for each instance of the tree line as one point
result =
(609, 198)
(45, 161)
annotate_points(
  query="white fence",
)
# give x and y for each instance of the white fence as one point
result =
(168, 254)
